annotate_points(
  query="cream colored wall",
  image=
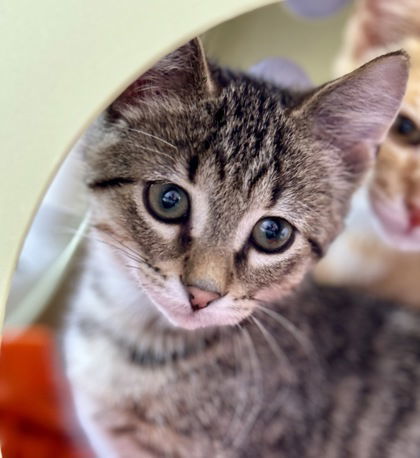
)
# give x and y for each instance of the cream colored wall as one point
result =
(274, 31)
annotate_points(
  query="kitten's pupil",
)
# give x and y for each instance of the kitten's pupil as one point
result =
(170, 198)
(271, 229)
(167, 202)
(406, 130)
(405, 126)
(272, 234)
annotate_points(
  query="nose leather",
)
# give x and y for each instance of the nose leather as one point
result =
(414, 216)
(200, 298)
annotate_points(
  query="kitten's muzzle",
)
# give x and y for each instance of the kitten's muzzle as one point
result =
(200, 298)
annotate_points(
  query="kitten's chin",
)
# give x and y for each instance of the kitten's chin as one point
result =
(392, 222)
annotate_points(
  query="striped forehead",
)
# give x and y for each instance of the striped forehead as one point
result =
(243, 144)
(237, 167)
(222, 203)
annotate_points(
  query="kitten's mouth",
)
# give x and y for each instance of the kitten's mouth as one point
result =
(394, 222)
(215, 315)
(176, 307)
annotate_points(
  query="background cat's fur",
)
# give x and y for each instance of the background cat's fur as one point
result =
(381, 259)
(152, 376)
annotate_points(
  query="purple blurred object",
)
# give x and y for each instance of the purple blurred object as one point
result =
(314, 9)
(282, 72)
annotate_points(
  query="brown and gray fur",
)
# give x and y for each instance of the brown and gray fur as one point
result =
(276, 367)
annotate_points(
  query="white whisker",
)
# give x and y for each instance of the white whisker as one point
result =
(290, 327)
(131, 250)
(258, 378)
(152, 150)
(275, 347)
(236, 420)
(153, 136)
(147, 88)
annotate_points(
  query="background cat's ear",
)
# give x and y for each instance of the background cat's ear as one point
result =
(183, 74)
(377, 26)
(283, 72)
(353, 114)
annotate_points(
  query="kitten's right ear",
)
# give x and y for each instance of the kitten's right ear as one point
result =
(182, 75)
(352, 114)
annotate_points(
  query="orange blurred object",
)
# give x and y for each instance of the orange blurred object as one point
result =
(36, 415)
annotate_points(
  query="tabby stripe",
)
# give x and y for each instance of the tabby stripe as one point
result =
(240, 257)
(404, 396)
(122, 430)
(221, 163)
(185, 238)
(325, 424)
(398, 421)
(237, 147)
(278, 138)
(141, 357)
(260, 132)
(192, 168)
(256, 178)
(316, 248)
(366, 366)
(361, 406)
(275, 194)
(277, 186)
(220, 118)
(111, 183)
(259, 139)
(143, 447)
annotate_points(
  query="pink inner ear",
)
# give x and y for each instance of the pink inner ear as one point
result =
(354, 112)
(315, 8)
(282, 72)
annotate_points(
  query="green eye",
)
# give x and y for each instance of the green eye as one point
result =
(167, 202)
(272, 235)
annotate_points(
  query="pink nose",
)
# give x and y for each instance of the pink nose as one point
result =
(414, 216)
(200, 298)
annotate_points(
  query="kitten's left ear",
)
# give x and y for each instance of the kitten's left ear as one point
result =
(353, 114)
(183, 74)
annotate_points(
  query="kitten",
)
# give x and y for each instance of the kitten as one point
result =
(194, 332)
(381, 244)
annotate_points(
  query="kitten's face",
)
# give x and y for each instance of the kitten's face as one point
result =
(395, 184)
(220, 197)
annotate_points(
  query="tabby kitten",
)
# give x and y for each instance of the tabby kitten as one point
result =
(193, 331)
(381, 244)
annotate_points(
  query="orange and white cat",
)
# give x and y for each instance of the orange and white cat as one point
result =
(380, 249)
